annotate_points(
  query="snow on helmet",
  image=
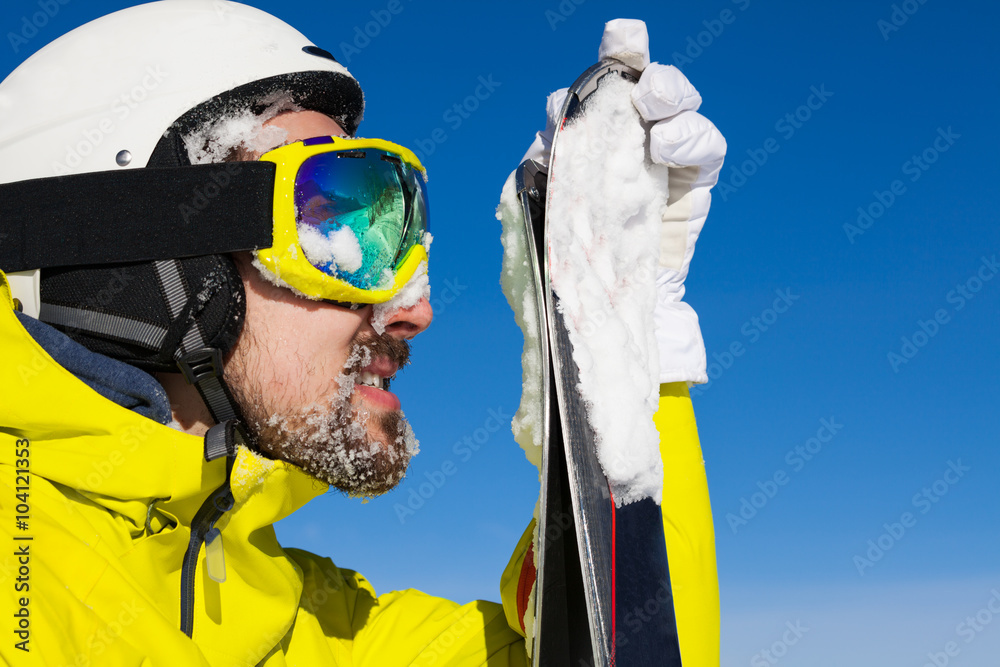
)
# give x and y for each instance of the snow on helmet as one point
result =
(120, 93)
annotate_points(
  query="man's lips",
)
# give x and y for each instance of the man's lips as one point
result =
(373, 382)
(380, 397)
(382, 366)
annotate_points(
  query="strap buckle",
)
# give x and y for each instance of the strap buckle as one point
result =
(200, 364)
(224, 439)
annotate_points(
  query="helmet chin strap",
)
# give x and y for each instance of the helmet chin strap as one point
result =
(200, 364)
(202, 368)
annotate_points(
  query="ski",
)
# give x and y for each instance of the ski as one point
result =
(603, 588)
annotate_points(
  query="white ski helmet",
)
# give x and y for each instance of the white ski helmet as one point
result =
(120, 93)
(121, 81)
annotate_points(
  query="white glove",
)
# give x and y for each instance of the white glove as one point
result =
(693, 148)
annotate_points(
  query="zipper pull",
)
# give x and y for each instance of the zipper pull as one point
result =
(215, 557)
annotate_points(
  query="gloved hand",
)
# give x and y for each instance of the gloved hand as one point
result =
(693, 148)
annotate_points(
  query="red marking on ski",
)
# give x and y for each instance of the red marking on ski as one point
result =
(525, 582)
(614, 582)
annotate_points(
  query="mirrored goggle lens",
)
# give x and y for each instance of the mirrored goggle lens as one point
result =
(358, 213)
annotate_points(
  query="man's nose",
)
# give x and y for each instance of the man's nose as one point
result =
(406, 323)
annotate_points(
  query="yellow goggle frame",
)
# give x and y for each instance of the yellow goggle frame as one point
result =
(286, 259)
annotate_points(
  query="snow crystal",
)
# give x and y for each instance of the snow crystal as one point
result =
(408, 439)
(337, 440)
(346, 249)
(416, 288)
(517, 282)
(209, 286)
(341, 247)
(315, 244)
(249, 472)
(604, 216)
(240, 129)
(276, 280)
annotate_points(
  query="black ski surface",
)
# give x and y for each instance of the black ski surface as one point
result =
(603, 593)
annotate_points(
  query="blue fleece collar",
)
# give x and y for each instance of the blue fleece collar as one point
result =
(116, 381)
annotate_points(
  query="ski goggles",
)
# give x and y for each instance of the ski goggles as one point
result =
(340, 220)
(350, 218)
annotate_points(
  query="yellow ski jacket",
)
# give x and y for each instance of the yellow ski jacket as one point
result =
(96, 508)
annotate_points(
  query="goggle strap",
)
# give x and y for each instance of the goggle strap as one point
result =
(136, 215)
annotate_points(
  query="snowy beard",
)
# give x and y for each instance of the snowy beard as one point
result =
(362, 452)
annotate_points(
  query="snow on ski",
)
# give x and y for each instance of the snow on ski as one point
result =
(579, 265)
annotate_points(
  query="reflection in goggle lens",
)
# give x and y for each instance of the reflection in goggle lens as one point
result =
(358, 212)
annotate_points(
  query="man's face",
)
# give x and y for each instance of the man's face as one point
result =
(298, 367)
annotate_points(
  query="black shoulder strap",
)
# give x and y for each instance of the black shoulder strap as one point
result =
(136, 215)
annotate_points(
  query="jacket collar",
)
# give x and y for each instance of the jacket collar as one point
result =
(119, 458)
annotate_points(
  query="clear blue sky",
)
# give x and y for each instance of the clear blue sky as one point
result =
(882, 94)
